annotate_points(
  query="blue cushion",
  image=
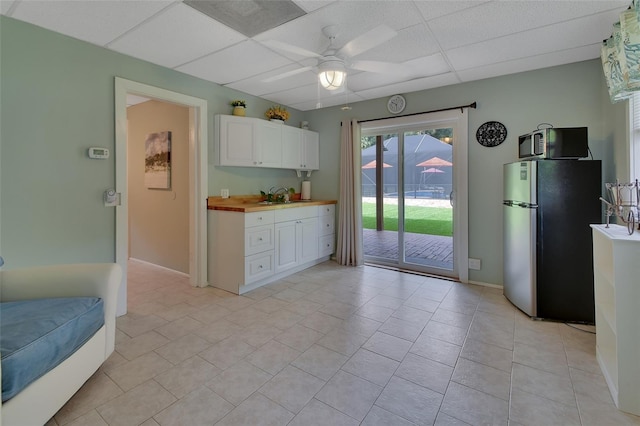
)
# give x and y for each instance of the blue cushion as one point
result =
(37, 335)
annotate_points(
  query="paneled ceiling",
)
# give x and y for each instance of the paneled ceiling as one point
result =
(437, 43)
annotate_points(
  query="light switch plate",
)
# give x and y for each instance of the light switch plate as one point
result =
(224, 193)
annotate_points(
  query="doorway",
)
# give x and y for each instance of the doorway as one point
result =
(198, 188)
(412, 194)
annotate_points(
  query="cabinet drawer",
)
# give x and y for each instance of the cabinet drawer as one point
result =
(327, 245)
(326, 225)
(327, 210)
(258, 218)
(258, 239)
(258, 266)
(296, 213)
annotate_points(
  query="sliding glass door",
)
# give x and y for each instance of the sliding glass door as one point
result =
(408, 193)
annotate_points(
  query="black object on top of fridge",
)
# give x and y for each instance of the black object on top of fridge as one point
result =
(548, 256)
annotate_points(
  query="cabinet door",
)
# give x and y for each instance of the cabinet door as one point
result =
(236, 141)
(307, 239)
(285, 246)
(292, 151)
(311, 143)
(269, 144)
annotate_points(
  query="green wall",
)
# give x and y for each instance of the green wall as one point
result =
(565, 96)
(57, 99)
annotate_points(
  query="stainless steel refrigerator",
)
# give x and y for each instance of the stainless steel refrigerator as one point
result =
(548, 261)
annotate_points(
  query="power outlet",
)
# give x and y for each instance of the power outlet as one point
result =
(224, 193)
(475, 264)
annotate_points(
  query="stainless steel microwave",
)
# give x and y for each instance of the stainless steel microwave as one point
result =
(554, 143)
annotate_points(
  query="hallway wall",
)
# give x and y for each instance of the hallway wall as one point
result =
(159, 218)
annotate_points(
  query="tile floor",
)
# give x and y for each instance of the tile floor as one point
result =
(338, 345)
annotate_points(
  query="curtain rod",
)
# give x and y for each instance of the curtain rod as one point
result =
(471, 105)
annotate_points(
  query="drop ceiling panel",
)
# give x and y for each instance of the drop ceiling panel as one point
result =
(558, 37)
(311, 5)
(235, 63)
(306, 32)
(434, 9)
(410, 86)
(293, 96)
(97, 22)
(418, 68)
(496, 19)
(442, 42)
(410, 43)
(255, 84)
(177, 35)
(530, 63)
(5, 6)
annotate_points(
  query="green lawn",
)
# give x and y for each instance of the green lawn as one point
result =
(419, 220)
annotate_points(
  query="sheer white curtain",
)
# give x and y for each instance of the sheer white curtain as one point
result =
(349, 249)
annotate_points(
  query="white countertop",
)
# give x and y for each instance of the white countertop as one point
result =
(618, 232)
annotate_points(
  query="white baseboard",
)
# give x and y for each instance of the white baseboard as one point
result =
(144, 262)
(485, 284)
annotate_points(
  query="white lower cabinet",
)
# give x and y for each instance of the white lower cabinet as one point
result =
(326, 230)
(617, 291)
(296, 237)
(276, 243)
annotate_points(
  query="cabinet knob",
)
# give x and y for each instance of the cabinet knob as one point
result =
(260, 218)
(260, 239)
(259, 266)
(327, 225)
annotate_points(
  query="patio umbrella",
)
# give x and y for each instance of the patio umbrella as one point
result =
(432, 170)
(372, 165)
(434, 161)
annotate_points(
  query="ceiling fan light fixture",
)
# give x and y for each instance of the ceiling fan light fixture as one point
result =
(332, 74)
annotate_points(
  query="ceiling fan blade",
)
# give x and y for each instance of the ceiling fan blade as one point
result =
(286, 47)
(367, 41)
(379, 67)
(286, 74)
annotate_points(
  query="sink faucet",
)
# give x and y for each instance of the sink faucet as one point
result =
(280, 194)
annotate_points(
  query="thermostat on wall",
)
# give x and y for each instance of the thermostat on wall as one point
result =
(98, 153)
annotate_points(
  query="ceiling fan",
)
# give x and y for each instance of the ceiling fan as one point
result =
(333, 63)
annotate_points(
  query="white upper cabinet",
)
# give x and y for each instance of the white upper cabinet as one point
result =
(311, 151)
(291, 147)
(235, 140)
(252, 142)
(268, 143)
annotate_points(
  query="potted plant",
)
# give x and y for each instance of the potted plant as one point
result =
(238, 107)
(277, 113)
(293, 195)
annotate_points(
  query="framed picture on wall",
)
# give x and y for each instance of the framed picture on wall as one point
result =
(157, 160)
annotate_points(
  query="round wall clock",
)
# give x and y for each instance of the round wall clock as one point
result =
(396, 104)
(491, 133)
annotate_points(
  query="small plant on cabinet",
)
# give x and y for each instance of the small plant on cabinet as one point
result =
(277, 112)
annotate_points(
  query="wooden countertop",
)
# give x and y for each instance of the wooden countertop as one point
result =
(250, 203)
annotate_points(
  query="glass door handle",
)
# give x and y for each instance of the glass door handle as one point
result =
(451, 198)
